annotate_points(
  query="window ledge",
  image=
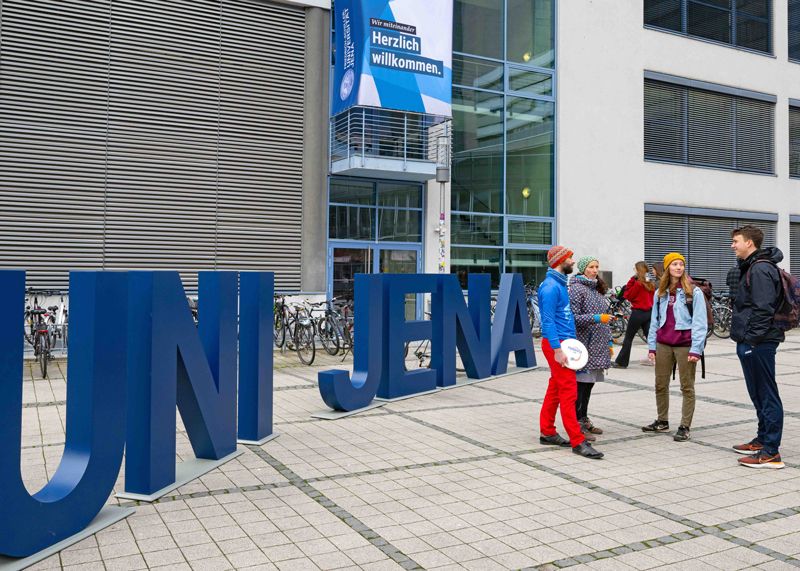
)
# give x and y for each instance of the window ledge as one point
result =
(709, 41)
(708, 167)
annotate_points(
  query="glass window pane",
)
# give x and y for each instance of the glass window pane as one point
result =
(352, 192)
(664, 121)
(399, 225)
(711, 128)
(663, 14)
(530, 82)
(351, 223)
(478, 27)
(529, 232)
(707, 22)
(347, 262)
(530, 164)
(752, 33)
(465, 261)
(531, 264)
(477, 166)
(530, 32)
(758, 8)
(476, 229)
(399, 195)
(474, 72)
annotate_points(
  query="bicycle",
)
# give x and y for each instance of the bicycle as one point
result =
(300, 328)
(723, 314)
(39, 330)
(334, 328)
(534, 315)
(280, 316)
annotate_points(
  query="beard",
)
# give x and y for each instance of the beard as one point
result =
(567, 268)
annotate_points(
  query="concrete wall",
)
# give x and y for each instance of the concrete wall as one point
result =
(315, 151)
(603, 180)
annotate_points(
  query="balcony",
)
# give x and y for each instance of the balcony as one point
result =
(377, 143)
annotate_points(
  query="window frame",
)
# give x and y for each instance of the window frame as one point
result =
(733, 22)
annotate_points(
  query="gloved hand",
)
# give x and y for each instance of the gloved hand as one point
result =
(611, 350)
(603, 318)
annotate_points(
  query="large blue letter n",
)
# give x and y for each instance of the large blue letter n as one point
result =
(95, 435)
(168, 363)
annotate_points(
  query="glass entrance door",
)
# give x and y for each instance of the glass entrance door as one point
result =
(348, 259)
(347, 262)
(393, 261)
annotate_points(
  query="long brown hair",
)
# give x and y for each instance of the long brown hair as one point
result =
(685, 283)
(641, 276)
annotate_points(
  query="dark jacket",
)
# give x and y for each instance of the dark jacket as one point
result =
(754, 309)
(732, 281)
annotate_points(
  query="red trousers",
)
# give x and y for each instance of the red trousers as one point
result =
(562, 391)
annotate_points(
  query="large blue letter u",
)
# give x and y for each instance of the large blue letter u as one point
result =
(95, 414)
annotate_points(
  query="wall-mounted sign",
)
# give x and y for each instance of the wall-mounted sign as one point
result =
(393, 54)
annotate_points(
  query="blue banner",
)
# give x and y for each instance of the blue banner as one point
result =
(393, 54)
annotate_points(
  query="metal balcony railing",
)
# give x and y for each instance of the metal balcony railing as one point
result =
(368, 132)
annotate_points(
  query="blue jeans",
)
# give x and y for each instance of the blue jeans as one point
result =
(758, 365)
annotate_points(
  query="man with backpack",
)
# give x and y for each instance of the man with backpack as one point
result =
(757, 334)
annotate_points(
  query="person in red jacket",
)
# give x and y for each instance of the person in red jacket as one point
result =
(638, 291)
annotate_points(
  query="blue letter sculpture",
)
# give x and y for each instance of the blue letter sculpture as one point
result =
(95, 414)
(467, 329)
(338, 390)
(382, 333)
(511, 330)
(396, 381)
(255, 355)
(168, 363)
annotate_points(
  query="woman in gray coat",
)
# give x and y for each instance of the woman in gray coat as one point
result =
(590, 308)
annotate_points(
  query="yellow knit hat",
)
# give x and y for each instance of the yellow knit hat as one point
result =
(671, 257)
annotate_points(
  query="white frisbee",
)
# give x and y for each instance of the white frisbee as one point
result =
(576, 353)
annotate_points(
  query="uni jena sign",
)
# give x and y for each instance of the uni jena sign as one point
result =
(126, 378)
(393, 54)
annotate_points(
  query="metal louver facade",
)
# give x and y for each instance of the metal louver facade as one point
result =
(159, 134)
(704, 240)
(794, 248)
(703, 127)
(794, 142)
(794, 30)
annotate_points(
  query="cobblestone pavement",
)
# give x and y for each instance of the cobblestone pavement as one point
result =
(457, 480)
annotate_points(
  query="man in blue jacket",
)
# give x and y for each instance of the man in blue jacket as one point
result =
(757, 337)
(558, 324)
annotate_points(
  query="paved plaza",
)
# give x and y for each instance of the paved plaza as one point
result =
(458, 480)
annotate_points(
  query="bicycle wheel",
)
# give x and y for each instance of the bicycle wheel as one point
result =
(536, 322)
(43, 351)
(722, 322)
(279, 328)
(328, 336)
(304, 342)
(618, 327)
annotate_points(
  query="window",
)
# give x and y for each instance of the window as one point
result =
(794, 247)
(529, 157)
(704, 238)
(794, 141)
(503, 162)
(794, 30)
(368, 211)
(742, 23)
(530, 32)
(478, 27)
(702, 127)
(477, 175)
